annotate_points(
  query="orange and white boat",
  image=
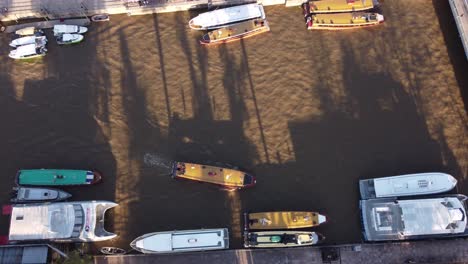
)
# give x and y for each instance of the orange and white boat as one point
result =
(235, 32)
(284, 220)
(227, 178)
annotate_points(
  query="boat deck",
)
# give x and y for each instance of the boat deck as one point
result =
(236, 30)
(275, 220)
(330, 6)
(460, 13)
(342, 19)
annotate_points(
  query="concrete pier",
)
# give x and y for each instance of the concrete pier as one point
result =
(434, 251)
(460, 13)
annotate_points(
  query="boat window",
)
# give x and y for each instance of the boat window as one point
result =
(20, 217)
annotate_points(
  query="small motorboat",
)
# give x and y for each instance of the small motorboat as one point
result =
(275, 239)
(29, 51)
(112, 251)
(100, 18)
(67, 38)
(227, 178)
(53, 177)
(30, 194)
(182, 241)
(28, 31)
(407, 185)
(71, 29)
(38, 40)
(235, 32)
(284, 220)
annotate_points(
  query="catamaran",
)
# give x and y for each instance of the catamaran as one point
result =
(38, 40)
(343, 21)
(407, 185)
(60, 222)
(225, 16)
(338, 6)
(53, 177)
(227, 178)
(389, 219)
(30, 194)
(284, 220)
(30, 51)
(235, 32)
(182, 241)
(275, 239)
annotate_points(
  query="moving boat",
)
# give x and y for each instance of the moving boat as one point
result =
(284, 220)
(60, 222)
(67, 38)
(407, 185)
(27, 31)
(389, 219)
(30, 51)
(228, 178)
(343, 21)
(30, 194)
(338, 6)
(274, 239)
(100, 18)
(72, 29)
(225, 16)
(182, 241)
(38, 40)
(53, 177)
(235, 32)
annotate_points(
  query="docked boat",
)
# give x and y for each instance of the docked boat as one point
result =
(235, 32)
(227, 178)
(30, 51)
(343, 21)
(53, 177)
(60, 222)
(284, 220)
(100, 18)
(71, 29)
(276, 239)
(182, 241)
(38, 40)
(29, 31)
(64, 39)
(31, 194)
(407, 185)
(112, 251)
(339, 6)
(225, 16)
(389, 219)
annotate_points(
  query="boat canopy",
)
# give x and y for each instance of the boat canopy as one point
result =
(224, 16)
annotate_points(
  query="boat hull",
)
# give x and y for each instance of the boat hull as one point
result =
(284, 220)
(53, 177)
(281, 239)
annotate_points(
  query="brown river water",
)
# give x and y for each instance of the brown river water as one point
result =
(308, 113)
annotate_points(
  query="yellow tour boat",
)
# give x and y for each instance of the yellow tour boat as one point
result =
(284, 220)
(227, 178)
(235, 32)
(338, 6)
(343, 21)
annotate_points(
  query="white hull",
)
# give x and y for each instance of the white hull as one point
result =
(38, 40)
(30, 194)
(225, 16)
(407, 185)
(182, 241)
(67, 38)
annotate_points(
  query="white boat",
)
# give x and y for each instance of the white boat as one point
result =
(38, 40)
(27, 52)
(72, 29)
(68, 38)
(60, 222)
(407, 185)
(389, 219)
(31, 194)
(27, 31)
(100, 18)
(225, 16)
(182, 241)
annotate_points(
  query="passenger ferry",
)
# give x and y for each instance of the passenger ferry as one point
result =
(390, 219)
(279, 239)
(339, 6)
(235, 32)
(54, 177)
(226, 16)
(182, 241)
(60, 222)
(227, 178)
(343, 21)
(407, 185)
(284, 220)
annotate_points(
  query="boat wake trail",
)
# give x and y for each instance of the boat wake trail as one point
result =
(153, 160)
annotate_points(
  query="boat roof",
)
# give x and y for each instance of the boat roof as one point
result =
(212, 174)
(284, 219)
(228, 15)
(386, 219)
(346, 18)
(49, 176)
(340, 5)
(26, 49)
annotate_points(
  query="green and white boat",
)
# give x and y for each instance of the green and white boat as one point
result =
(54, 177)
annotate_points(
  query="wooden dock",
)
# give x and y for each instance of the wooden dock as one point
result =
(49, 24)
(460, 13)
(454, 251)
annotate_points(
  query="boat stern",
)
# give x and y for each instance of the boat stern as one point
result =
(249, 180)
(322, 219)
(100, 208)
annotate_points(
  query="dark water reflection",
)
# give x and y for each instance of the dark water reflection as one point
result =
(309, 113)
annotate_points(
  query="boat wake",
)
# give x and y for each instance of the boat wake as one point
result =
(153, 160)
